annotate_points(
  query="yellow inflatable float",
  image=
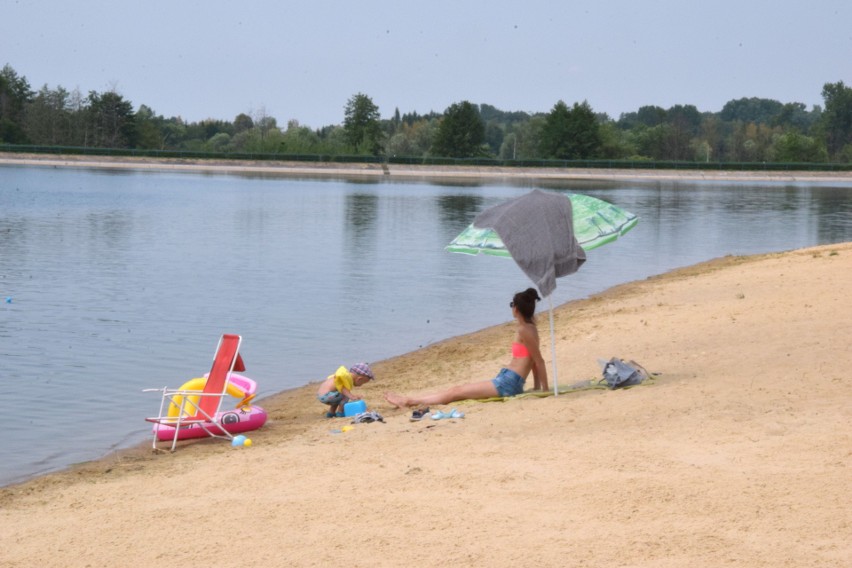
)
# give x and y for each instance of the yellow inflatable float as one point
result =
(238, 386)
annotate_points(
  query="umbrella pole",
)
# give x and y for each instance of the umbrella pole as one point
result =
(553, 349)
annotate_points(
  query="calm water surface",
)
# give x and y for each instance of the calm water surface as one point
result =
(120, 281)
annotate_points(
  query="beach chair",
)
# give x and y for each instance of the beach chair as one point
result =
(181, 410)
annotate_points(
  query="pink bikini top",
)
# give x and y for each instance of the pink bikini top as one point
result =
(519, 350)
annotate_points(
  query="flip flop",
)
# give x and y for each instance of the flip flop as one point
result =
(451, 414)
(329, 414)
(419, 414)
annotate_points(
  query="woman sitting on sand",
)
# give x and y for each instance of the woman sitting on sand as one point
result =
(526, 357)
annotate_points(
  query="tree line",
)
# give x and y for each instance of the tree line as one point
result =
(745, 130)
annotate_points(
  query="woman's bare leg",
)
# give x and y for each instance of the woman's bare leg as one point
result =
(399, 400)
(480, 389)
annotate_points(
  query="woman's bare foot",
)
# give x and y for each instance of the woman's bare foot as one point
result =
(397, 400)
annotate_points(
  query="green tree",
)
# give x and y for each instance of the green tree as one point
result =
(393, 125)
(491, 114)
(570, 134)
(413, 140)
(257, 141)
(614, 143)
(493, 136)
(711, 132)
(757, 110)
(173, 132)
(509, 147)
(48, 117)
(837, 117)
(844, 156)
(79, 125)
(498, 125)
(585, 131)
(461, 133)
(683, 123)
(15, 94)
(266, 125)
(529, 138)
(555, 135)
(750, 142)
(198, 134)
(112, 120)
(795, 115)
(333, 140)
(794, 147)
(700, 150)
(649, 116)
(361, 124)
(219, 142)
(149, 129)
(243, 122)
(299, 139)
(649, 142)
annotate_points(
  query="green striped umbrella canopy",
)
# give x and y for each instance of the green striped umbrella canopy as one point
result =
(596, 223)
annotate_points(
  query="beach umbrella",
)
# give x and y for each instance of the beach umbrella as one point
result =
(547, 234)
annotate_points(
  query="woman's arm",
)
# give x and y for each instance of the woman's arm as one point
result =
(529, 335)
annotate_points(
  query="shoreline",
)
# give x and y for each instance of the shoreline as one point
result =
(303, 395)
(283, 169)
(728, 456)
(407, 172)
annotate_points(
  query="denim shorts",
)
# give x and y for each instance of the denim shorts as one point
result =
(508, 383)
(331, 398)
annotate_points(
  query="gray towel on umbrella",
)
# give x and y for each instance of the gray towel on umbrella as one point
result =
(538, 231)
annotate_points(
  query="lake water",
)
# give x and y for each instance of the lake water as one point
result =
(121, 281)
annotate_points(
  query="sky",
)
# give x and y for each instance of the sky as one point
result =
(304, 60)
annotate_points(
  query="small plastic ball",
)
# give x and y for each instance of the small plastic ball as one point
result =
(247, 443)
(238, 440)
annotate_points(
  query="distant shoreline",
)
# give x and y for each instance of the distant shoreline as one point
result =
(409, 171)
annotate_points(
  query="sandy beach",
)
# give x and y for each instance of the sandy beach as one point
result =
(411, 172)
(736, 454)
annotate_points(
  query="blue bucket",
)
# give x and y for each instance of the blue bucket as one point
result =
(354, 407)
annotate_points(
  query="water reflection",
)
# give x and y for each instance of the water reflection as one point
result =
(458, 211)
(361, 210)
(832, 213)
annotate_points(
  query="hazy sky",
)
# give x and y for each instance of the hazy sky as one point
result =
(304, 60)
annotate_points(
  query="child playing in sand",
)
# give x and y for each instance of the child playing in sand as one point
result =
(336, 390)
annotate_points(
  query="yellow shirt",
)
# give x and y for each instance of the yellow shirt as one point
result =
(343, 380)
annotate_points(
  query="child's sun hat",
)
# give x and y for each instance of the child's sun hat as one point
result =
(362, 369)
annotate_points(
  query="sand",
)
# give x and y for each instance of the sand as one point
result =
(737, 454)
(409, 172)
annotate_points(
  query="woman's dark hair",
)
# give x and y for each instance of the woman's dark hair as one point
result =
(525, 302)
